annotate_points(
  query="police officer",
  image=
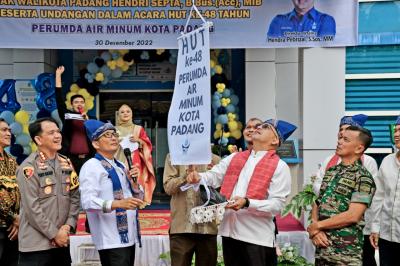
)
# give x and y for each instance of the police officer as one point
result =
(49, 199)
(304, 18)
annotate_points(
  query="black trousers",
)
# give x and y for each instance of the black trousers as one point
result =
(51, 257)
(183, 246)
(388, 252)
(117, 256)
(8, 249)
(239, 253)
(368, 253)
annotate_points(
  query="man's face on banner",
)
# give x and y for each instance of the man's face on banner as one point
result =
(303, 5)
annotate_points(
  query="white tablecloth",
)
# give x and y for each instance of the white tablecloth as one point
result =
(82, 249)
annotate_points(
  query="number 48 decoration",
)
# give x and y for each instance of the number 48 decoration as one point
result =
(7, 87)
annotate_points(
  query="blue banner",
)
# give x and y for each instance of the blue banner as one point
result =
(152, 24)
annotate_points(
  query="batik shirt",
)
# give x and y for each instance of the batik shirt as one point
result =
(9, 193)
(341, 186)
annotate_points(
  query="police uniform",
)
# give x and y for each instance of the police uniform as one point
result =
(313, 21)
(49, 199)
(341, 186)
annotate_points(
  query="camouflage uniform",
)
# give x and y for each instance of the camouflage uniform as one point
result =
(341, 186)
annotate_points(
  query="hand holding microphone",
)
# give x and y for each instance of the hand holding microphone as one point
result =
(81, 111)
(133, 170)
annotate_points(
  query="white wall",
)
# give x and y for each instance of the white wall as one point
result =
(323, 89)
(25, 65)
(305, 87)
(272, 91)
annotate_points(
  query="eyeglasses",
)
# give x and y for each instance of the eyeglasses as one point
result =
(267, 126)
(109, 135)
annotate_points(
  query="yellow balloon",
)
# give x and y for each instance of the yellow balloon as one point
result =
(74, 88)
(123, 52)
(120, 62)
(160, 51)
(112, 64)
(89, 105)
(233, 125)
(131, 62)
(99, 76)
(25, 129)
(218, 69)
(218, 126)
(217, 134)
(240, 125)
(125, 67)
(22, 117)
(226, 134)
(212, 63)
(237, 134)
(220, 87)
(33, 147)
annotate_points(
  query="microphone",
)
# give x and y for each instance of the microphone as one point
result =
(80, 110)
(128, 156)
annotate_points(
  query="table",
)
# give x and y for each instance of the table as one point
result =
(83, 251)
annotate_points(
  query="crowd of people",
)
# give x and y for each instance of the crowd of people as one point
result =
(85, 167)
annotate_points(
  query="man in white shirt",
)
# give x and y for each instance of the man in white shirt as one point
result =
(386, 222)
(258, 181)
(370, 164)
(110, 197)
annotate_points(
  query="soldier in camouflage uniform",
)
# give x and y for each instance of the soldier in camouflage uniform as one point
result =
(346, 192)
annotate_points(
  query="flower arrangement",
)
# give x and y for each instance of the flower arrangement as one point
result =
(290, 256)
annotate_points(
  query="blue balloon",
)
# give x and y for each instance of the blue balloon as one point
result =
(88, 76)
(215, 114)
(172, 60)
(226, 93)
(7, 149)
(46, 94)
(216, 104)
(27, 149)
(8, 116)
(212, 71)
(116, 73)
(234, 99)
(56, 117)
(223, 141)
(115, 55)
(16, 128)
(7, 87)
(105, 70)
(217, 94)
(223, 119)
(105, 81)
(92, 68)
(23, 139)
(173, 52)
(106, 56)
(216, 97)
(230, 108)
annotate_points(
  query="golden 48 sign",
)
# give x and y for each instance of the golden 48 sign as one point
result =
(190, 111)
(153, 24)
